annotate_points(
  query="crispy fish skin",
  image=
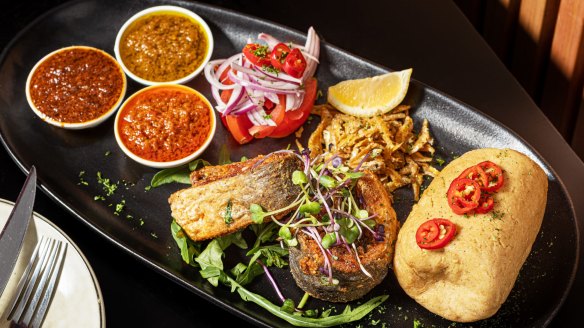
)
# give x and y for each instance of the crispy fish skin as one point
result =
(209, 174)
(376, 256)
(203, 209)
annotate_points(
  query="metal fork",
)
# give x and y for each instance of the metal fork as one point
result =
(37, 285)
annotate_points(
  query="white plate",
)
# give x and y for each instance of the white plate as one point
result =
(78, 301)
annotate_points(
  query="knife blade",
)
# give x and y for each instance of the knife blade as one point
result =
(12, 236)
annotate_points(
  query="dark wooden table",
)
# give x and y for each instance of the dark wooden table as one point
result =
(433, 37)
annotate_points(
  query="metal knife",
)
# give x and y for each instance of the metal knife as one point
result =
(12, 236)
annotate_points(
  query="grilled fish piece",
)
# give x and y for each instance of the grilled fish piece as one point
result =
(218, 202)
(306, 260)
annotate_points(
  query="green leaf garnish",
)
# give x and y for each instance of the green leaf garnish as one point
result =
(310, 207)
(327, 181)
(180, 174)
(285, 233)
(227, 217)
(298, 178)
(288, 306)
(188, 248)
(328, 240)
(361, 214)
(257, 213)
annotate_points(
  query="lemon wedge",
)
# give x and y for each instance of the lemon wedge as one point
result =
(370, 96)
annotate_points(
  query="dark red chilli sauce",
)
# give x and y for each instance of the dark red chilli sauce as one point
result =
(76, 85)
(164, 123)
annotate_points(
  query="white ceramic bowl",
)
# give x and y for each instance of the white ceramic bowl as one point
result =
(164, 10)
(174, 163)
(77, 125)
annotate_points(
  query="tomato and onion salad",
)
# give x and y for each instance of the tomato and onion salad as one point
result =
(473, 189)
(435, 233)
(265, 87)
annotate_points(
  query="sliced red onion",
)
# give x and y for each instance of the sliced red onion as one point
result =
(260, 116)
(244, 108)
(280, 76)
(213, 76)
(256, 86)
(220, 104)
(293, 101)
(252, 118)
(256, 97)
(234, 100)
(246, 70)
(313, 48)
(270, 40)
(310, 56)
(273, 97)
(267, 82)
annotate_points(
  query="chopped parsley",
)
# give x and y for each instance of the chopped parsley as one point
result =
(271, 69)
(440, 161)
(261, 51)
(120, 207)
(81, 179)
(228, 217)
(108, 186)
(497, 215)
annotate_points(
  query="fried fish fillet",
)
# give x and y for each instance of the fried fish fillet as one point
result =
(218, 202)
(376, 256)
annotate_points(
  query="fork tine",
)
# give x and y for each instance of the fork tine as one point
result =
(37, 296)
(19, 303)
(48, 294)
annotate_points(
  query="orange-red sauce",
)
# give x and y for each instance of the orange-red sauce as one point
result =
(164, 124)
(76, 85)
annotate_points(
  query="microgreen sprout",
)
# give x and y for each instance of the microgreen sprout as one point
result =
(326, 210)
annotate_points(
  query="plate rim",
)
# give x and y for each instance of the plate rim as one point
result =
(100, 300)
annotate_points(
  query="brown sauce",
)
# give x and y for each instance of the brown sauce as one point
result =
(164, 124)
(76, 85)
(163, 47)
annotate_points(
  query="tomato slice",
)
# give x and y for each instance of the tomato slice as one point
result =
(295, 64)
(295, 118)
(435, 233)
(277, 114)
(463, 195)
(494, 176)
(226, 95)
(256, 54)
(238, 126)
(486, 204)
(475, 173)
(278, 55)
(261, 131)
(224, 78)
